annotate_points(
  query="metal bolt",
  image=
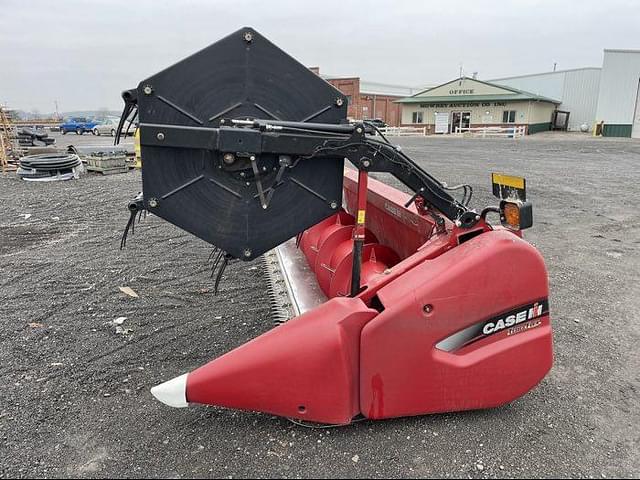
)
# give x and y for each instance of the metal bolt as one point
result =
(147, 89)
(428, 308)
(284, 161)
(242, 174)
(264, 169)
(458, 223)
(247, 252)
(153, 202)
(228, 158)
(222, 121)
(248, 184)
(366, 164)
(252, 158)
(477, 217)
(339, 102)
(387, 271)
(248, 37)
(359, 130)
(333, 204)
(160, 136)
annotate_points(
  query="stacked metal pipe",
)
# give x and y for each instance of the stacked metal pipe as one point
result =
(30, 137)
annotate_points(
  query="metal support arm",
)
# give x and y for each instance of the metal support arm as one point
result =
(255, 137)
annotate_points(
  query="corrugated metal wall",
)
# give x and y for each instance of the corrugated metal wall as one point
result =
(549, 85)
(577, 89)
(618, 86)
(581, 96)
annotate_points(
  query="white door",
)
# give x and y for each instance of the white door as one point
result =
(635, 133)
(442, 122)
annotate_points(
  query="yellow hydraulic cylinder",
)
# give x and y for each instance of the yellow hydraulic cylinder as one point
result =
(136, 143)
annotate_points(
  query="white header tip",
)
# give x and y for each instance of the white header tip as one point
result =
(172, 392)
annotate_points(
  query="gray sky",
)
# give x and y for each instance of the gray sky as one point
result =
(84, 53)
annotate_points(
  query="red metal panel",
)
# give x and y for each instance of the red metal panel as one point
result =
(306, 368)
(403, 373)
(396, 226)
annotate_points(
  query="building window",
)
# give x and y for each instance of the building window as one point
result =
(509, 116)
(416, 117)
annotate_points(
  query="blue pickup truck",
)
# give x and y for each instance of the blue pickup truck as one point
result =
(78, 125)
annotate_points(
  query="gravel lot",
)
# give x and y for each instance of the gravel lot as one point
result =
(74, 394)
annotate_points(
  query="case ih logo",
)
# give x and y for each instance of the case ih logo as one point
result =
(518, 320)
(516, 317)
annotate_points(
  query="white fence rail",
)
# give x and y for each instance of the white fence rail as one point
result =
(484, 132)
(404, 131)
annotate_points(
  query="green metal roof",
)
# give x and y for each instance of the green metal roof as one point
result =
(513, 95)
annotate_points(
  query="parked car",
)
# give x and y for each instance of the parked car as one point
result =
(78, 125)
(376, 122)
(109, 126)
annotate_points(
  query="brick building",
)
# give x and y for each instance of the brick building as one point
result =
(370, 99)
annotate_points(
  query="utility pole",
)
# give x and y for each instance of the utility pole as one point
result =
(554, 66)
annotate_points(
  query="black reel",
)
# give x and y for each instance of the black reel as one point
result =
(243, 203)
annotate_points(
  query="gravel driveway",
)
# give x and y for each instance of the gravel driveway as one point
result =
(74, 389)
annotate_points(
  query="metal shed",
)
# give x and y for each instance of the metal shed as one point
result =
(619, 94)
(577, 89)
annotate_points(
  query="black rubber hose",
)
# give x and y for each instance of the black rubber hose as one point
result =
(50, 161)
(487, 210)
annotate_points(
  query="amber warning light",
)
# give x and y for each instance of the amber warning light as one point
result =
(515, 212)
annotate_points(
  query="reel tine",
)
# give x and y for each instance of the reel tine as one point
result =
(221, 254)
(216, 261)
(223, 267)
(129, 226)
(213, 252)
